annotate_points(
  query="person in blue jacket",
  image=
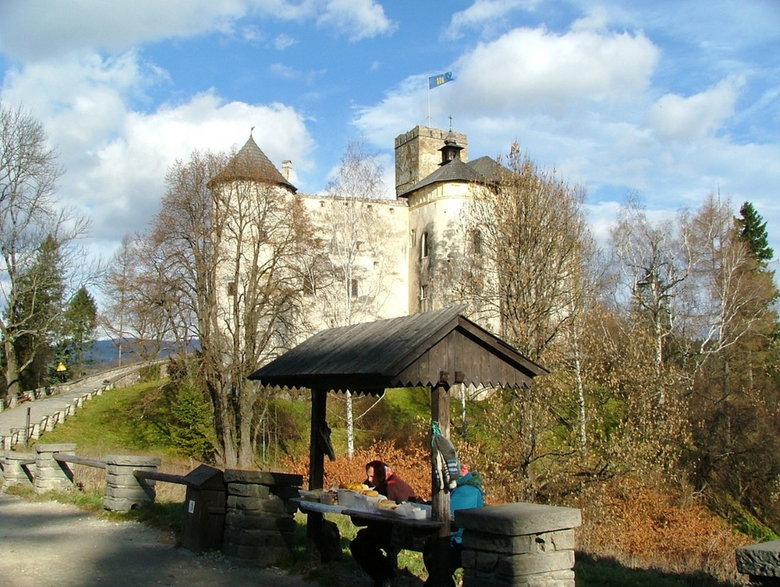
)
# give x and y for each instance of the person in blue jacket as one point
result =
(467, 494)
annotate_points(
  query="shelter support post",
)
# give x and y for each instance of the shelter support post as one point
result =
(319, 402)
(440, 412)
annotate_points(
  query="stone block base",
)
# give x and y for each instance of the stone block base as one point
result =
(259, 524)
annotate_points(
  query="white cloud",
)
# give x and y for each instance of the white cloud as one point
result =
(40, 29)
(283, 71)
(35, 29)
(523, 74)
(596, 19)
(124, 181)
(116, 156)
(282, 42)
(532, 68)
(685, 119)
(484, 14)
(356, 19)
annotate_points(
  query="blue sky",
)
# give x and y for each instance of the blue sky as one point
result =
(672, 100)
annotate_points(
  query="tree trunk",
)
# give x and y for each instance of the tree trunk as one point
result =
(350, 426)
(13, 386)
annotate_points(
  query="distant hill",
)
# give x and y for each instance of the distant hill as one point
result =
(106, 353)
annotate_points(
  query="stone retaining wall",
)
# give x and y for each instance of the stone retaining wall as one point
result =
(518, 544)
(259, 524)
(761, 563)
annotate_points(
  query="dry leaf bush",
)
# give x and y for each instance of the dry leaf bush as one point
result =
(647, 527)
(411, 463)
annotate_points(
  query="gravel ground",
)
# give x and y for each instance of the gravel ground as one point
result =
(49, 543)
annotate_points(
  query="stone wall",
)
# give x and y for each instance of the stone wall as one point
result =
(518, 544)
(259, 524)
(761, 563)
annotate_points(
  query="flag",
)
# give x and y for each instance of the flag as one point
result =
(438, 80)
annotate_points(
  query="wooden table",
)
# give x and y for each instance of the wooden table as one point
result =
(406, 533)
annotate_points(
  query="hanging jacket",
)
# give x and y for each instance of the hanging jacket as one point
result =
(466, 495)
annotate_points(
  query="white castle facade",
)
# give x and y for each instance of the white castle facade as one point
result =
(385, 257)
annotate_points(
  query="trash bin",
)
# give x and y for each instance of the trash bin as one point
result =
(204, 509)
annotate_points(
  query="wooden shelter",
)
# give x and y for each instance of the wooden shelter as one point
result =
(430, 349)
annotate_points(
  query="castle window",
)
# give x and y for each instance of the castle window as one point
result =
(354, 288)
(425, 245)
(231, 288)
(475, 241)
(423, 292)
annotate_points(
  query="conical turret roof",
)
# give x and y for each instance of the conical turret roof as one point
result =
(250, 163)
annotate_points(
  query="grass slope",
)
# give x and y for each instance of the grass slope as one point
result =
(114, 423)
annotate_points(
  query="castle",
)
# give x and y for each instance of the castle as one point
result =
(387, 257)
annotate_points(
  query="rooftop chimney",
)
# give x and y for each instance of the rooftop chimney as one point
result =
(287, 169)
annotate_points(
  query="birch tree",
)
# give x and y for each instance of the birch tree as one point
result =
(652, 264)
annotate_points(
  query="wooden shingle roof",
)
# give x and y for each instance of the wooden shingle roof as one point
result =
(482, 171)
(410, 351)
(250, 163)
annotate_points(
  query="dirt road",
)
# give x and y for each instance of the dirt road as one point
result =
(47, 544)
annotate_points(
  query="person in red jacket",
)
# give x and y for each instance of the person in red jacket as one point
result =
(371, 545)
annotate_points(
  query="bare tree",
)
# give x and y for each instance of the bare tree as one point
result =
(117, 287)
(523, 267)
(532, 238)
(723, 300)
(354, 283)
(29, 216)
(231, 250)
(653, 266)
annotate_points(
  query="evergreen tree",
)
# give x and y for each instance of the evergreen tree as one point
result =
(80, 321)
(753, 231)
(37, 313)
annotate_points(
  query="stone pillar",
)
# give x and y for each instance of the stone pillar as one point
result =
(761, 563)
(124, 491)
(16, 469)
(51, 475)
(519, 544)
(259, 524)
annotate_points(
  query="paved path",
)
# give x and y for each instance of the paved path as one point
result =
(17, 417)
(47, 544)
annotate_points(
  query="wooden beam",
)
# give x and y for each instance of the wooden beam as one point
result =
(319, 403)
(440, 509)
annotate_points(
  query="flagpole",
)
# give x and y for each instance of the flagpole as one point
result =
(428, 93)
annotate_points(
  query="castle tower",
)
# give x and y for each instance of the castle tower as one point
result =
(417, 154)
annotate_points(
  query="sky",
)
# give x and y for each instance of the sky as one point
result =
(670, 100)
